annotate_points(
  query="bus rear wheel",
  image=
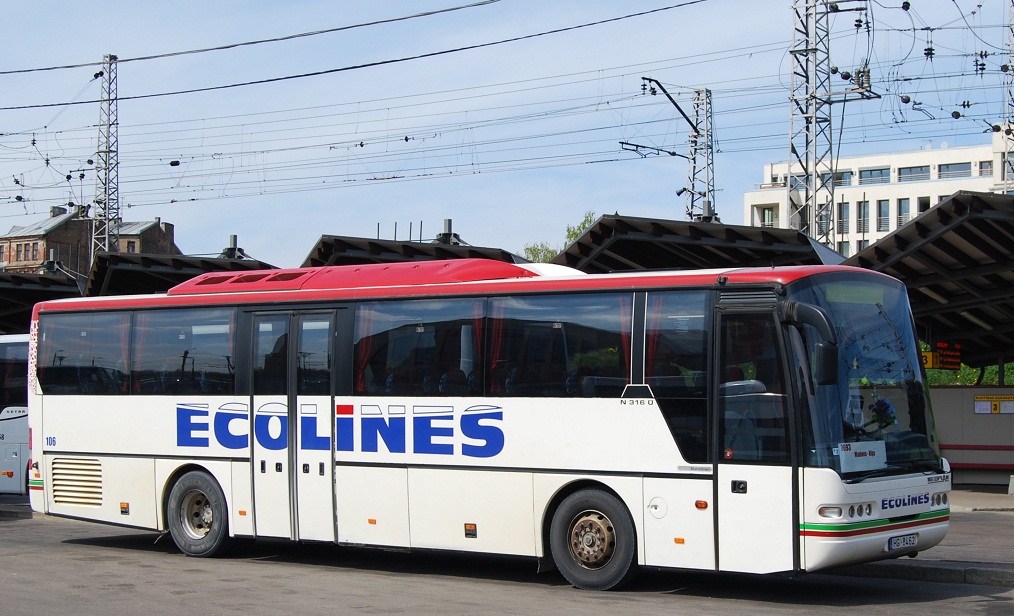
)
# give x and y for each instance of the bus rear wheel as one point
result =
(593, 540)
(197, 516)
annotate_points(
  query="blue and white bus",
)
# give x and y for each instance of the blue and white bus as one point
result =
(14, 414)
(770, 420)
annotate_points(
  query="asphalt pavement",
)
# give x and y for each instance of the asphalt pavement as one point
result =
(978, 549)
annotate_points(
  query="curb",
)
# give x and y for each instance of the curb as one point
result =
(945, 572)
(15, 512)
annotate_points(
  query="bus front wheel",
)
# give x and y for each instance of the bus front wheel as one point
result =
(593, 540)
(197, 516)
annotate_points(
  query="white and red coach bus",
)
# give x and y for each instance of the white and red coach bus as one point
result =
(743, 420)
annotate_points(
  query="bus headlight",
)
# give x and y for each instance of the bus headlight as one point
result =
(829, 511)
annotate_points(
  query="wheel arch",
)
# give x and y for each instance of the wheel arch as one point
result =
(563, 492)
(171, 480)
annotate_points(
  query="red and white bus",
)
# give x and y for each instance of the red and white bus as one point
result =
(740, 420)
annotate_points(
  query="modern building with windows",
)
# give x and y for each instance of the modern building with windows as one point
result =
(875, 194)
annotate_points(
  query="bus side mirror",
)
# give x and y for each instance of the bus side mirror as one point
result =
(825, 370)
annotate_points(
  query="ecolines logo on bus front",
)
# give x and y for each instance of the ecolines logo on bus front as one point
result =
(904, 501)
(474, 432)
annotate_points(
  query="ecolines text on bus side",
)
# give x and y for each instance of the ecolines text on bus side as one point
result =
(473, 432)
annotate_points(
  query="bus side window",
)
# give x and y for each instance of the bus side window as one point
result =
(188, 351)
(419, 347)
(561, 345)
(83, 353)
(676, 359)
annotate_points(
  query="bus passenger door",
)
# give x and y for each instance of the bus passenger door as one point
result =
(293, 427)
(271, 439)
(314, 361)
(755, 489)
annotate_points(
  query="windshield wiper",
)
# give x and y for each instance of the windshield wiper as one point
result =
(880, 472)
(927, 466)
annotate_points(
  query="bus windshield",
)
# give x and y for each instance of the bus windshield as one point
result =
(876, 420)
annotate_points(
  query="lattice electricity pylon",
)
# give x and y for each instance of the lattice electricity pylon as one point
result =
(701, 173)
(106, 217)
(811, 189)
(811, 186)
(1008, 127)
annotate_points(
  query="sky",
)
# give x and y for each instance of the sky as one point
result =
(375, 118)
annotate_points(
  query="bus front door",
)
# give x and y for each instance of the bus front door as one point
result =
(293, 459)
(755, 488)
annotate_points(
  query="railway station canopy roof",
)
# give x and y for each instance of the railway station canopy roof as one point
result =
(124, 273)
(20, 292)
(957, 260)
(619, 243)
(338, 250)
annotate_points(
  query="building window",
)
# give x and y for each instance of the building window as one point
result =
(924, 204)
(883, 214)
(955, 170)
(861, 244)
(843, 218)
(863, 224)
(914, 174)
(131, 246)
(875, 176)
(768, 216)
(986, 168)
(18, 248)
(35, 251)
(1, 253)
(904, 211)
(843, 249)
(841, 178)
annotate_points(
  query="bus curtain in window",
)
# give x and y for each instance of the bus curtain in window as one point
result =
(626, 323)
(478, 314)
(496, 344)
(364, 345)
(654, 334)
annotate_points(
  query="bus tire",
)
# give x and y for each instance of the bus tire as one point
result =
(593, 541)
(196, 515)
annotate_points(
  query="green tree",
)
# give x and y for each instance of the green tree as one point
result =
(576, 231)
(544, 252)
(541, 252)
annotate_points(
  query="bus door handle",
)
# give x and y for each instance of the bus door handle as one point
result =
(264, 466)
(738, 486)
(306, 469)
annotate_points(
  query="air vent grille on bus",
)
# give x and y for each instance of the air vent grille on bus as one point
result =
(747, 297)
(77, 482)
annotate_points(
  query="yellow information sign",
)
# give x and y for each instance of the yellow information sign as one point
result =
(986, 405)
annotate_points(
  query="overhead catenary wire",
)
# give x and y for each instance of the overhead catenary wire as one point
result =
(150, 151)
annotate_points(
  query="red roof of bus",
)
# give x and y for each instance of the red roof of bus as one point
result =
(423, 278)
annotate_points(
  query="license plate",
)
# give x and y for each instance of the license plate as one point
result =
(904, 541)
